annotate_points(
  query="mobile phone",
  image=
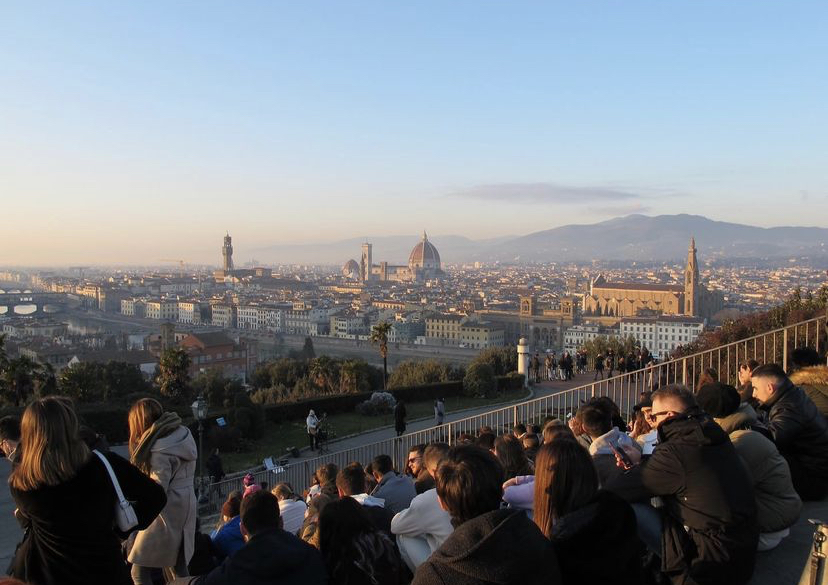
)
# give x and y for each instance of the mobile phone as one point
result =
(625, 459)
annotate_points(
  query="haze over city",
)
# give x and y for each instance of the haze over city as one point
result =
(137, 132)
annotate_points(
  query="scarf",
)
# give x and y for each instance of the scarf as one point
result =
(165, 425)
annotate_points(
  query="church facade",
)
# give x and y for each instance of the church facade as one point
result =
(615, 300)
(423, 264)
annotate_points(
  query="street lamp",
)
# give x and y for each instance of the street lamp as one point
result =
(200, 414)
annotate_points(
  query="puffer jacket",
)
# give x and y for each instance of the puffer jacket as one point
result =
(777, 503)
(801, 435)
(814, 382)
(709, 533)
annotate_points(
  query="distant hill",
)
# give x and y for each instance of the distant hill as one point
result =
(634, 237)
(663, 237)
(392, 249)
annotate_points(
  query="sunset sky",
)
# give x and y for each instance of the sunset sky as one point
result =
(133, 131)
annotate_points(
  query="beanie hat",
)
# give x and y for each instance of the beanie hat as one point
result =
(252, 489)
(718, 400)
(248, 480)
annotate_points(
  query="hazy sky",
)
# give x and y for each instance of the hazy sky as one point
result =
(134, 131)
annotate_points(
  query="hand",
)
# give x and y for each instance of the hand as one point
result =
(510, 482)
(631, 452)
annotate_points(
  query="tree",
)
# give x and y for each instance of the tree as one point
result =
(418, 373)
(324, 372)
(480, 381)
(379, 336)
(45, 382)
(502, 359)
(19, 377)
(174, 375)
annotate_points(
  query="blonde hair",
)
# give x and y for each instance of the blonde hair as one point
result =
(52, 450)
(142, 415)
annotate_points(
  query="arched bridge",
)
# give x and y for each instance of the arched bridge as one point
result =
(55, 301)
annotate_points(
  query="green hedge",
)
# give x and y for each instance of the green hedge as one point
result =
(509, 382)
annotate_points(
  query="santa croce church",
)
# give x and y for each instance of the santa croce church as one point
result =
(624, 299)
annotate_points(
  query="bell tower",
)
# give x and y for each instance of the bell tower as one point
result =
(227, 253)
(366, 263)
(691, 282)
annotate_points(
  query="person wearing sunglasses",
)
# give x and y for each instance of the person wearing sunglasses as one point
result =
(706, 531)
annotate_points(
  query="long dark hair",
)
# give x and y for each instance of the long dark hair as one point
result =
(565, 480)
(509, 451)
(354, 550)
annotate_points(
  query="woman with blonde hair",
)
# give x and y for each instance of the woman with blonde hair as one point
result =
(67, 498)
(164, 449)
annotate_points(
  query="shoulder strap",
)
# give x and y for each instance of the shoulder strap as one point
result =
(114, 479)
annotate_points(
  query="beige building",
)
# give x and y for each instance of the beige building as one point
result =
(166, 310)
(460, 331)
(542, 326)
(610, 301)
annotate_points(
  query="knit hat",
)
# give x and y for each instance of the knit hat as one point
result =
(252, 489)
(718, 400)
(248, 480)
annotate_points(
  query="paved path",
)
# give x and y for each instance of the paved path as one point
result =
(540, 390)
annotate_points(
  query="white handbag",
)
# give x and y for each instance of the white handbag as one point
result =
(125, 517)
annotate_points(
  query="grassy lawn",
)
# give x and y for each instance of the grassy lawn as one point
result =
(279, 437)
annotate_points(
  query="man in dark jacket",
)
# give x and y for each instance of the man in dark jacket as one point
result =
(798, 429)
(706, 533)
(271, 555)
(488, 545)
(399, 417)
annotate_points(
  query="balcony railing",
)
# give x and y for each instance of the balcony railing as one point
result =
(625, 389)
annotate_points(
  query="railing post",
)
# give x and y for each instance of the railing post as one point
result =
(684, 371)
(515, 420)
(785, 349)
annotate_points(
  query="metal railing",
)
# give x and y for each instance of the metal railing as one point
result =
(625, 389)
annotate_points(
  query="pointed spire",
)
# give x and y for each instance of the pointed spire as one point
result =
(692, 242)
(425, 237)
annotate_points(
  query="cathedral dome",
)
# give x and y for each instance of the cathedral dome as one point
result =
(424, 255)
(351, 269)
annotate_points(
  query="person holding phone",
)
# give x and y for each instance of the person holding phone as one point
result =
(707, 531)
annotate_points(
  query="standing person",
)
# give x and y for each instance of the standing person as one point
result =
(610, 362)
(164, 449)
(549, 364)
(399, 417)
(68, 496)
(214, 467)
(536, 367)
(599, 367)
(312, 425)
(439, 411)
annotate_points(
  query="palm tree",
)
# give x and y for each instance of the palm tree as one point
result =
(379, 336)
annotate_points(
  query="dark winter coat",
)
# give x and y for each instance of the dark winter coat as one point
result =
(801, 435)
(705, 487)
(272, 557)
(71, 537)
(500, 547)
(399, 417)
(598, 544)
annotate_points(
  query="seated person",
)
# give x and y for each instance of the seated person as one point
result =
(397, 490)
(424, 526)
(270, 555)
(489, 544)
(597, 423)
(798, 429)
(777, 502)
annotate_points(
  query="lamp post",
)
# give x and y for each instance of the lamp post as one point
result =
(200, 414)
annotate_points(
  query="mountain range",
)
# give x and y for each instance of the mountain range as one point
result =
(633, 237)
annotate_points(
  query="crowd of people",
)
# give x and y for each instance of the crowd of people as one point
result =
(688, 490)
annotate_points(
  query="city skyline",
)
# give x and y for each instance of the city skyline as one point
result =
(133, 133)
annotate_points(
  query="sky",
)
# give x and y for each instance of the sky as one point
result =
(136, 131)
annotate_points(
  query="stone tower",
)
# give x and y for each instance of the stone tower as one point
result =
(691, 282)
(227, 253)
(366, 263)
